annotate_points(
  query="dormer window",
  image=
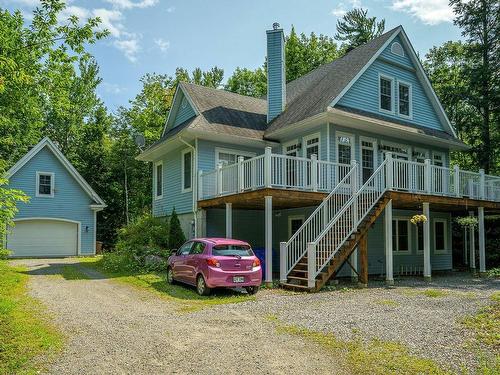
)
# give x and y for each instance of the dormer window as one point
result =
(385, 92)
(397, 49)
(45, 184)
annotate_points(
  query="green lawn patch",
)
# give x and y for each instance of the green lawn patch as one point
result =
(388, 302)
(26, 336)
(155, 282)
(434, 293)
(373, 357)
(73, 272)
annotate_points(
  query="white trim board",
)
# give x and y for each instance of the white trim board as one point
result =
(65, 162)
(52, 184)
(184, 152)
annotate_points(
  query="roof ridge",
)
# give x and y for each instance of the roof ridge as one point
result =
(221, 90)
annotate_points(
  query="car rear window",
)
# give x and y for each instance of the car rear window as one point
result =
(232, 250)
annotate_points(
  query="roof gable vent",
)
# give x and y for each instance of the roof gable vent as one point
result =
(397, 49)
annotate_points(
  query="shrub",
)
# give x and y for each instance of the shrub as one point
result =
(145, 236)
(4, 254)
(176, 236)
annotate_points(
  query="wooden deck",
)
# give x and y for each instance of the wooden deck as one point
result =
(284, 199)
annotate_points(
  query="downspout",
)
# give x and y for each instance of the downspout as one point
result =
(194, 181)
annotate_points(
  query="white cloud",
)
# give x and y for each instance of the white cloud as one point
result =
(112, 88)
(162, 44)
(343, 7)
(129, 46)
(170, 9)
(430, 12)
(110, 20)
(128, 4)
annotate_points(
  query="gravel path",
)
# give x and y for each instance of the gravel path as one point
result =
(116, 329)
(113, 328)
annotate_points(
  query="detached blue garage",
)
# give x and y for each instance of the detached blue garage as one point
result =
(61, 217)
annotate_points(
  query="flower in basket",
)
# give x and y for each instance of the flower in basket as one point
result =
(417, 219)
(467, 221)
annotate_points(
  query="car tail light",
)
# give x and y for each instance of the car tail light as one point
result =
(212, 262)
(256, 263)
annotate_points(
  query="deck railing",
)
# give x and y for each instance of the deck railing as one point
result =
(271, 171)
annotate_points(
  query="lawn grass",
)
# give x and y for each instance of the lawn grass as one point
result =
(373, 357)
(388, 302)
(26, 336)
(434, 293)
(73, 272)
(431, 293)
(155, 282)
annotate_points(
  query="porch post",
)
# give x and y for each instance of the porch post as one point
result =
(241, 174)
(201, 222)
(482, 191)
(229, 220)
(389, 279)
(427, 242)
(283, 262)
(472, 244)
(363, 254)
(482, 241)
(314, 172)
(428, 176)
(269, 239)
(267, 167)
(456, 180)
(354, 263)
(466, 249)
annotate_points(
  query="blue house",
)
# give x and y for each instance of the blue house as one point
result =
(60, 218)
(326, 172)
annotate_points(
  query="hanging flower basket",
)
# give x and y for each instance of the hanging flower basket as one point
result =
(467, 221)
(418, 219)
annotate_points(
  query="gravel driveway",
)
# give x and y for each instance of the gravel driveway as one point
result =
(114, 328)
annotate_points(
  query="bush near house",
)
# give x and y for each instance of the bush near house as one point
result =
(176, 236)
(144, 239)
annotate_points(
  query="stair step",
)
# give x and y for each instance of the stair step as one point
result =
(295, 286)
(297, 278)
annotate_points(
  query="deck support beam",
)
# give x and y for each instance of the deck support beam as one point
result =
(268, 222)
(363, 255)
(353, 259)
(229, 220)
(472, 246)
(482, 241)
(427, 241)
(389, 278)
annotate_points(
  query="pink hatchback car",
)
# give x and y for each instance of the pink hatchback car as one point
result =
(209, 263)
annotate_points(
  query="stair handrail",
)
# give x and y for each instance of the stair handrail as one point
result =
(348, 218)
(295, 248)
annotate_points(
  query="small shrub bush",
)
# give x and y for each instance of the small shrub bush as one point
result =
(4, 253)
(175, 236)
(145, 236)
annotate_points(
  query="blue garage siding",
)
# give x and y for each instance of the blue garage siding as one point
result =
(364, 94)
(70, 200)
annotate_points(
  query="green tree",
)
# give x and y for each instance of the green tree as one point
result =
(176, 236)
(480, 25)
(8, 205)
(248, 82)
(356, 28)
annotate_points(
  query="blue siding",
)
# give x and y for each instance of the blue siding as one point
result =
(206, 152)
(275, 73)
(300, 135)
(364, 94)
(70, 200)
(173, 196)
(403, 60)
(183, 114)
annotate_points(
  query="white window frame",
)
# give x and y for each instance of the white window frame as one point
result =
(155, 180)
(353, 144)
(402, 54)
(52, 184)
(393, 144)
(445, 228)
(308, 138)
(219, 150)
(410, 98)
(443, 157)
(419, 149)
(184, 152)
(402, 252)
(375, 151)
(294, 217)
(291, 143)
(389, 78)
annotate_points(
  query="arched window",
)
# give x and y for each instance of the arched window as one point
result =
(397, 49)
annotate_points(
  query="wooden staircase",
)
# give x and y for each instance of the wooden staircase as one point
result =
(298, 276)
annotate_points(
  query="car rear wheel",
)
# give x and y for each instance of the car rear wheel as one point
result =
(252, 289)
(170, 276)
(201, 286)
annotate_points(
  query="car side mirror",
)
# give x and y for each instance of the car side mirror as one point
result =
(174, 251)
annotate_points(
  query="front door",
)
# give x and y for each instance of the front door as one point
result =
(345, 153)
(401, 175)
(368, 156)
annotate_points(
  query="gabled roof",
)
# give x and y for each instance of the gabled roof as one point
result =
(46, 142)
(312, 93)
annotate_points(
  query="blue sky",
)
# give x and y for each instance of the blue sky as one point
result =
(158, 35)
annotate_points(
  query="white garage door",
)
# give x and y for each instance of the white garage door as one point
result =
(40, 238)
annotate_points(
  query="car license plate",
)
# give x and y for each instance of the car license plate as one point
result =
(238, 279)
